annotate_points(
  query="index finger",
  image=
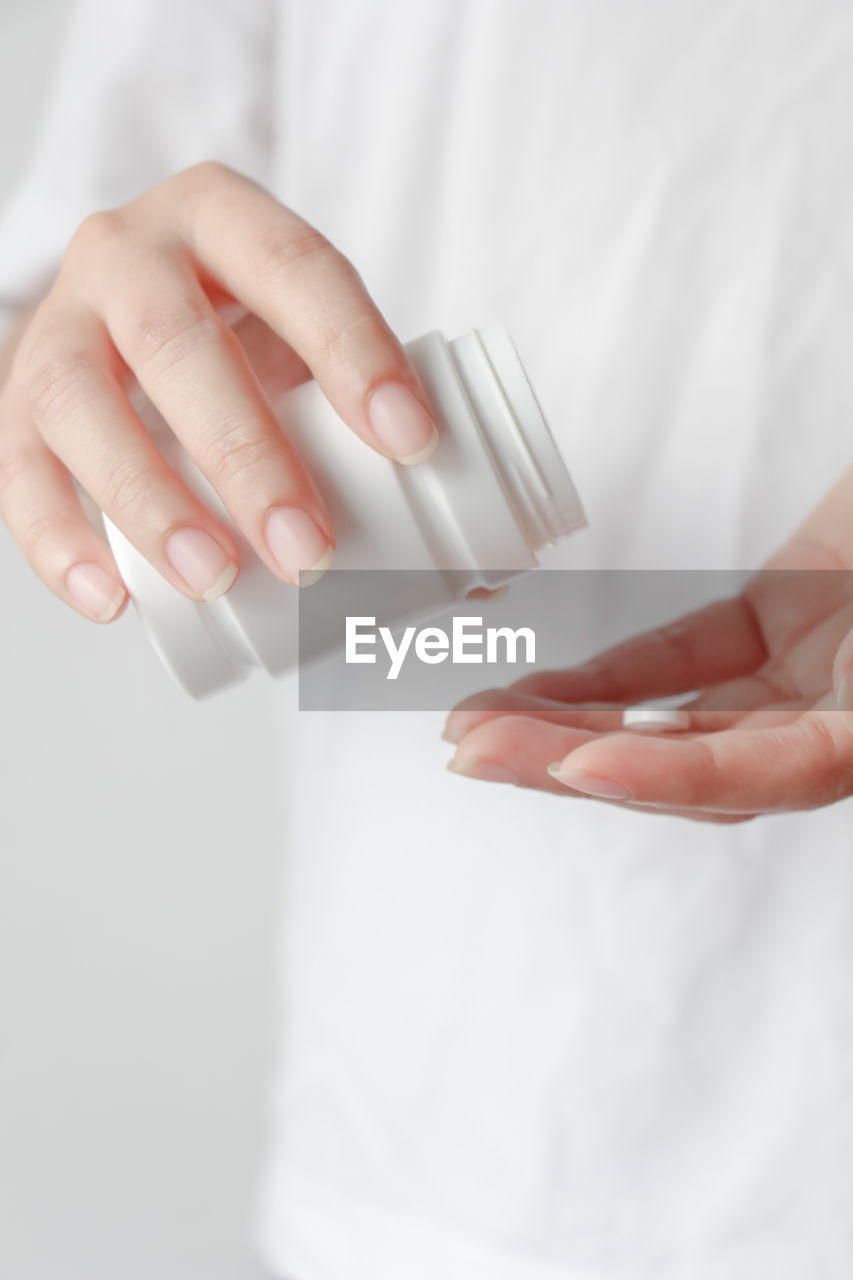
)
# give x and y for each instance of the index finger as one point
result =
(288, 273)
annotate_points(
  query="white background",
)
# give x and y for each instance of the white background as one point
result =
(138, 878)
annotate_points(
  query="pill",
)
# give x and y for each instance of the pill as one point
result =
(655, 719)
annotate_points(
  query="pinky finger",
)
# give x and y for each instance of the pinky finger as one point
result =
(40, 507)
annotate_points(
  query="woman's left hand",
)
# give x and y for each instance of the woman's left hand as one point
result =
(772, 729)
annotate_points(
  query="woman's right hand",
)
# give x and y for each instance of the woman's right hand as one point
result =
(144, 293)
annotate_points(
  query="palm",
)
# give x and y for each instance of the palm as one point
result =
(765, 733)
(799, 609)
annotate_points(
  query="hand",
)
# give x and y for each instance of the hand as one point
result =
(146, 293)
(766, 731)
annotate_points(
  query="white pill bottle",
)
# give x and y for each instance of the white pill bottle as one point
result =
(493, 494)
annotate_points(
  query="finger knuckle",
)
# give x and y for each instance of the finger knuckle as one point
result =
(129, 488)
(98, 231)
(39, 533)
(195, 186)
(162, 333)
(59, 383)
(236, 455)
(340, 344)
(207, 174)
(279, 250)
(14, 464)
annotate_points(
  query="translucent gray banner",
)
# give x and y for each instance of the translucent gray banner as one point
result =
(410, 640)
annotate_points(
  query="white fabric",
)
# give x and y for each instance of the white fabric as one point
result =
(526, 1039)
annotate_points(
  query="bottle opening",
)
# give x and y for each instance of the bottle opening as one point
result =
(522, 449)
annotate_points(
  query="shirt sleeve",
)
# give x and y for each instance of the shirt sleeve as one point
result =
(143, 88)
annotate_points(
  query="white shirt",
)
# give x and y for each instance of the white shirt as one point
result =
(525, 1039)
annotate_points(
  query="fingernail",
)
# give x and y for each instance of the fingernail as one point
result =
(204, 566)
(95, 591)
(845, 702)
(493, 594)
(298, 545)
(483, 770)
(580, 780)
(454, 730)
(401, 423)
